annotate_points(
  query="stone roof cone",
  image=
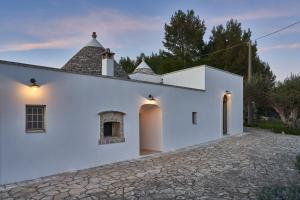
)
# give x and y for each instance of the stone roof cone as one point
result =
(143, 68)
(94, 42)
(89, 60)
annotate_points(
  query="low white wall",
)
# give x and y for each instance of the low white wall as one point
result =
(146, 77)
(192, 78)
(73, 126)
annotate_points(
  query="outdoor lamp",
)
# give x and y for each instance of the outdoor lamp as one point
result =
(228, 93)
(151, 98)
(33, 84)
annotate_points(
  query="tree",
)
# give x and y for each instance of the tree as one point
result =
(285, 99)
(127, 64)
(184, 36)
(258, 92)
(233, 59)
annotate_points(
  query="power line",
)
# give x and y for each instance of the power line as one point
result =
(277, 31)
(220, 50)
(263, 36)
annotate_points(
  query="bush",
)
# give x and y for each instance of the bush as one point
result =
(279, 193)
(298, 161)
(277, 126)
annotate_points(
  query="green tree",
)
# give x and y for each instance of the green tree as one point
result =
(285, 99)
(184, 36)
(258, 93)
(127, 64)
(235, 59)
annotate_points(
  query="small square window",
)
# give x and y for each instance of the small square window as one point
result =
(111, 129)
(35, 118)
(194, 117)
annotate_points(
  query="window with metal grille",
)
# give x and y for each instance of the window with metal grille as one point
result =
(35, 118)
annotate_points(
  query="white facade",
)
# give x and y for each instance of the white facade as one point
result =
(73, 102)
(191, 78)
(146, 77)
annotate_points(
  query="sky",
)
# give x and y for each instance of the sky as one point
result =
(50, 32)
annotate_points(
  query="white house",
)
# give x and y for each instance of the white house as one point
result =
(90, 112)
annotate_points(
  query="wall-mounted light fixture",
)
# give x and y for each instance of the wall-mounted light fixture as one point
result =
(150, 97)
(33, 84)
(228, 93)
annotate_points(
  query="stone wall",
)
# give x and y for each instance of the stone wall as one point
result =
(112, 116)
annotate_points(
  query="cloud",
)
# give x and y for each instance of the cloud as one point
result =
(254, 15)
(73, 31)
(280, 46)
(108, 22)
(57, 44)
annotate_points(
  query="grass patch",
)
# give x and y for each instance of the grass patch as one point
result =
(277, 126)
(297, 163)
(279, 193)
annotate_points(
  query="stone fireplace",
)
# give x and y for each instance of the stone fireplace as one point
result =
(111, 127)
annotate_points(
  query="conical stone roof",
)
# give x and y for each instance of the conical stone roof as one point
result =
(89, 60)
(143, 68)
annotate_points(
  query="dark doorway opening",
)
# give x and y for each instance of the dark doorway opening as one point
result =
(225, 115)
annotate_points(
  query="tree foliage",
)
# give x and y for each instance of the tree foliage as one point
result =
(184, 36)
(285, 99)
(127, 64)
(258, 91)
(235, 59)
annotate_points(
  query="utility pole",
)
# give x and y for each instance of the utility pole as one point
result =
(249, 121)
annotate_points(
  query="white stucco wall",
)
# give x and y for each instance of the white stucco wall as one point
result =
(146, 77)
(73, 102)
(216, 84)
(192, 78)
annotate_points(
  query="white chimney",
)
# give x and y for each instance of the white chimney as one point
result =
(108, 63)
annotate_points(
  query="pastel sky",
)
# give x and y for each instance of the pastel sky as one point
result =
(49, 32)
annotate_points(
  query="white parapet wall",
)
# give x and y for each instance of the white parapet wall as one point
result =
(191, 78)
(146, 77)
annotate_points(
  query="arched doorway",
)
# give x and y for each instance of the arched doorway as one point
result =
(225, 114)
(151, 140)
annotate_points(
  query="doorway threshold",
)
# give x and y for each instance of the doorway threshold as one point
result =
(145, 152)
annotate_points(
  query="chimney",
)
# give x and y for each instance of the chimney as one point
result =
(94, 35)
(107, 63)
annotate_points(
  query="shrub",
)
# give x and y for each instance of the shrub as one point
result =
(277, 126)
(279, 193)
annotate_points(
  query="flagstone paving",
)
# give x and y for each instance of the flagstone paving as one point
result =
(232, 168)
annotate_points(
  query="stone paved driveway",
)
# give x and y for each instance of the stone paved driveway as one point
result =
(232, 168)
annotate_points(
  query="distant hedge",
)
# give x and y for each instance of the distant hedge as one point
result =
(280, 193)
